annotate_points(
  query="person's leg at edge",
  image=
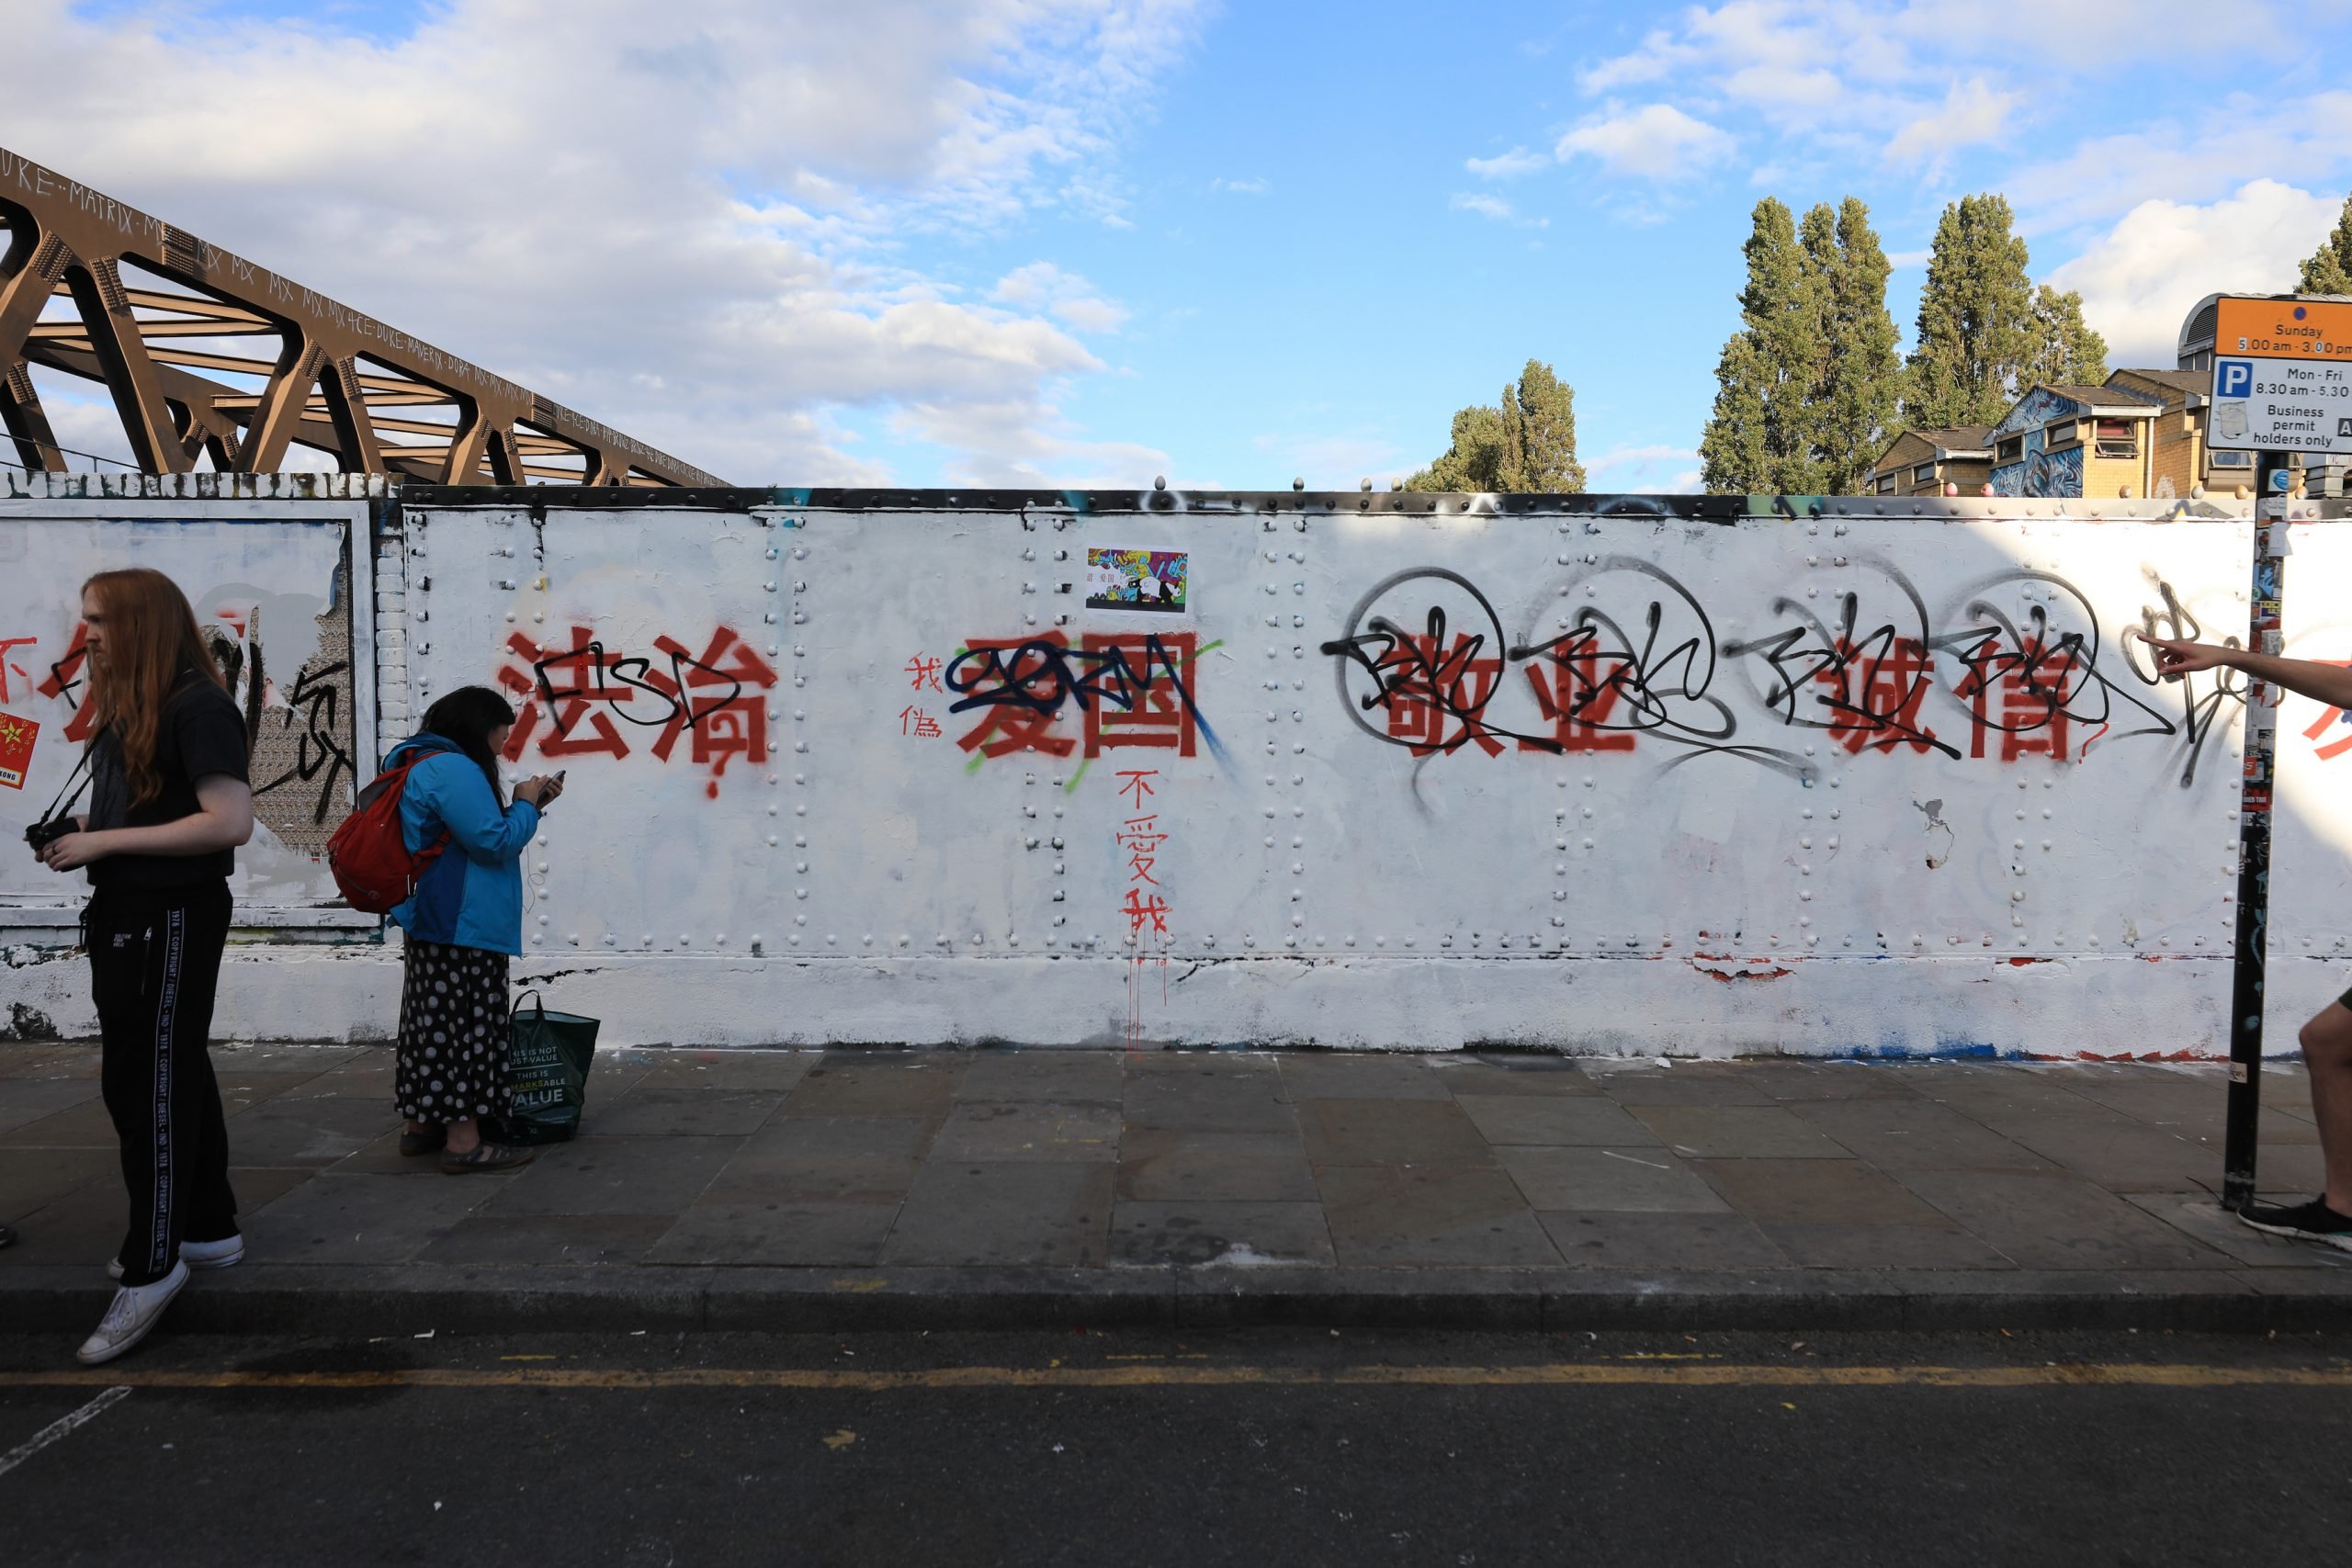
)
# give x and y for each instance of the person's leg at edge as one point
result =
(211, 1211)
(133, 953)
(2327, 1057)
(409, 1077)
(489, 971)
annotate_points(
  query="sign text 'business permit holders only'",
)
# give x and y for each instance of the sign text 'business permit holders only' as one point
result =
(2282, 375)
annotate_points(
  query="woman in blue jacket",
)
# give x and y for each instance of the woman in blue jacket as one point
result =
(464, 922)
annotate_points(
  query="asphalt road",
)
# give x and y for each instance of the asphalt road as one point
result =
(1097, 1448)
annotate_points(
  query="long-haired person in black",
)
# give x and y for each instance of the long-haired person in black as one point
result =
(464, 922)
(169, 805)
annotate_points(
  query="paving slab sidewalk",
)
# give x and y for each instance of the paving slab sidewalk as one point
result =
(860, 1189)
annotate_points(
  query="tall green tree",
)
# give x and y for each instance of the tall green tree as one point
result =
(1526, 444)
(1760, 437)
(1975, 318)
(1861, 377)
(1986, 331)
(2329, 268)
(2065, 350)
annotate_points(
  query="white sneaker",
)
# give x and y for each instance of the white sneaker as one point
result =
(134, 1311)
(198, 1255)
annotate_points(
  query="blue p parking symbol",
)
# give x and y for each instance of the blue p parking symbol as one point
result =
(2233, 378)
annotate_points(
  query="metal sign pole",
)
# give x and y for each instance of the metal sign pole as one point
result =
(2241, 1122)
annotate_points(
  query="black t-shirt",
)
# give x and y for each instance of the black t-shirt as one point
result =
(200, 733)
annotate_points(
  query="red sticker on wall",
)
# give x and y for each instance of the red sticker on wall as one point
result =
(17, 737)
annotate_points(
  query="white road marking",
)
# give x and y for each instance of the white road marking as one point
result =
(58, 1428)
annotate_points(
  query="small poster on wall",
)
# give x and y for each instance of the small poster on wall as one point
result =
(1138, 580)
(17, 737)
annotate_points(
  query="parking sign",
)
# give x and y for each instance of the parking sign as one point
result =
(2283, 375)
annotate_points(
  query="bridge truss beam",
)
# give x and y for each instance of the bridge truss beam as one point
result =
(209, 358)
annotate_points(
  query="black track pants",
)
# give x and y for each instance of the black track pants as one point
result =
(154, 965)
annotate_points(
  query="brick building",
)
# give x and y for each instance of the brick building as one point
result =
(1921, 462)
(2141, 432)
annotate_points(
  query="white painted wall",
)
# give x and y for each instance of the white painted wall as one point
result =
(808, 863)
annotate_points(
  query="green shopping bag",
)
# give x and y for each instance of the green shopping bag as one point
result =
(547, 1065)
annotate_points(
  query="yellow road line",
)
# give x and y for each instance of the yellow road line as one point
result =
(1562, 1375)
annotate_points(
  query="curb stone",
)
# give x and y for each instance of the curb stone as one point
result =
(359, 1303)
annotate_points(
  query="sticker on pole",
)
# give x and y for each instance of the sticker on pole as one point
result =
(1138, 580)
(2282, 375)
(16, 737)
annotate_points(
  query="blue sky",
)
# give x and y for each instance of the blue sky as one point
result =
(941, 242)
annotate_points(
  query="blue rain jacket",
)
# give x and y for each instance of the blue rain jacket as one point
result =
(471, 895)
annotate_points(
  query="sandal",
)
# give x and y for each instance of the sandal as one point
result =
(425, 1142)
(486, 1156)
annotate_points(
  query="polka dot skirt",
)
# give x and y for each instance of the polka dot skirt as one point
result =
(454, 1033)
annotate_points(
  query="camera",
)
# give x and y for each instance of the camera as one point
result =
(41, 835)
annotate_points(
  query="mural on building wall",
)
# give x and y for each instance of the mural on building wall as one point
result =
(2033, 474)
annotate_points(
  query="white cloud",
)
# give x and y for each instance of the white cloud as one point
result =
(1063, 295)
(2199, 155)
(1327, 462)
(1658, 470)
(1018, 444)
(1913, 80)
(1657, 141)
(700, 240)
(1484, 206)
(2141, 279)
(1972, 112)
(1256, 184)
(1618, 457)
(1509, 165)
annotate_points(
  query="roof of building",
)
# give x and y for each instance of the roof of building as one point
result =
(2096, 397)
(2182, 385)
(2186, 380)
(1941, 440)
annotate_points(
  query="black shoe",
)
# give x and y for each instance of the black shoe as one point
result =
(2314, 1221)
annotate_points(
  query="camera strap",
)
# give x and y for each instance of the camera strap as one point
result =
(64, 803)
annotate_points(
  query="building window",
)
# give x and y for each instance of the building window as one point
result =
(2011, 450)
(1886, 485)
(2116, 439)
(1925, 474)
(2230, 459)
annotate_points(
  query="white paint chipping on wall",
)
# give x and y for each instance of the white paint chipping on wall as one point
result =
(1619, 783)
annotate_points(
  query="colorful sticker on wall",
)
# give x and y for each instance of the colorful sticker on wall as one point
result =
(1138, 580)
(17, 737)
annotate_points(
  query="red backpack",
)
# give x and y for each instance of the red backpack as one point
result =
(367, 853)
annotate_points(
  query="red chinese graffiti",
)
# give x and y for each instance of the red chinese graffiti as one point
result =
(1577, 701)
(1426, 688)
(1132, 691)
(1875, 701)
(1140, 839)
(584, 693)
(65, 678)
(2330, 719)
(2032, 687)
